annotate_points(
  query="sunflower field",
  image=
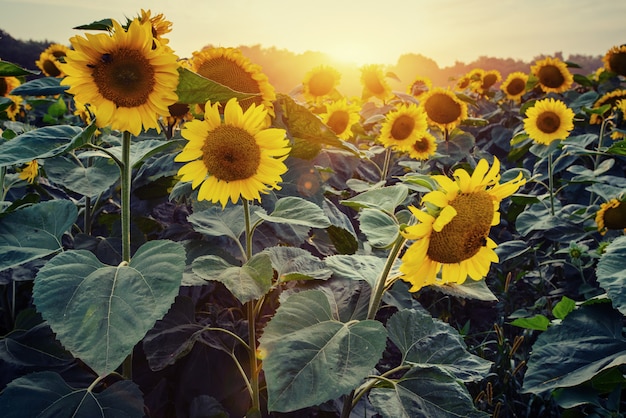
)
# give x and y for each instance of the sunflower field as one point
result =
(178, 239)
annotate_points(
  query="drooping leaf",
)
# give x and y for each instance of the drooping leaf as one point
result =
(310, 357)
(45, 142)
(140, 150)
(426, 341)
(612, 274)
(587, 342)
(87, 179)
(100, 312)
(470, 289)
(46, 394)
(8, 69)
(196, 89)
(297, 211)
(292, 263)
(537, 322)
(45, 86)
(357, 267)
(34, 232)
(385, 199)
(381, 229)
(215, 222)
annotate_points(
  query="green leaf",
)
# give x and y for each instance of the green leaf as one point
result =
(34, 349)
(563, 307)
(294, 210)
(471, 289)
(426, 341)
(357, 267)
(87, 180)
(310, 357)
(8, 69)
(100, 312)
(385, 199)
(246, 283)
(46, 394)
(429, 392)
(215, 222)
(140, 150)
(46, 86)
(292, 263)
(45, 142)
(588, 341)
(34, 232)
(611, 273)
(194, 88)
(380, 229)
(538, 322)
(104, 24)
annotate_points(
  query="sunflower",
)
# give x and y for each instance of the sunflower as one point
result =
(612, 215)
(615, 60)
(452, 234)
(515, 86)
(128, 78)
(488, 79)
(340, 116)
(611, 98)
(552, 75)
(424, 147)
(403, 126)
(374, 83)
(620, 107)
(229, 67)
(83, 111)
(320, 82)
(15, 109)
(470, 80)
(7, 84)
(233, 159)
(51, 59)
(30, 172)
(419, 86)
(443, 108)
(160, 26)
(548, 120)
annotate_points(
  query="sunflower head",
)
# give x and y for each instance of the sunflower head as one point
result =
(424, 147)
(128, 78)
(419, 86)
(320, 82)
(615, 60)
(15, 109)
(374, 82)
(612, 215)
(610, 98)
(234, 158)
(30, 171)
(443, 108)
(549, 120)
(49, 65)
(160, 26)
(515, 86)
(452, 232)
(488, 79)
(403, 126)
(7, 84)
(340, 117)
(552, 75)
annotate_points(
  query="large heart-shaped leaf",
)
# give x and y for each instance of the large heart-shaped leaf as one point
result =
(297, 211)
(292, 263)
(194, 88)
(380, 229)
(611, 273)
(45, 86)
(385, 198)
(86, 179)
(34, 232)
(100, 312)
(357, 267)
(311, 357)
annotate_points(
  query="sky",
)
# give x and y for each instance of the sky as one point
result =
(357, 31)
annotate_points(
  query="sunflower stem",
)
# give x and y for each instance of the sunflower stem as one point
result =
(386, 163)
(125, 170)
(551, 183)
(377, 295)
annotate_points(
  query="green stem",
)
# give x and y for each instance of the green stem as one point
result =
(551, 183)
(377, 295)
(126, 170)
(386, 163)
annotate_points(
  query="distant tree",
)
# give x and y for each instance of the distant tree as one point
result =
(23, 53)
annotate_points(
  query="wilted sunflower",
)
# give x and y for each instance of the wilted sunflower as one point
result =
(340, 116)
(515, 85)
(128, 78)
(160, 26)
(233, 159)
(611, 215)
(615, 60)
(374, 83)
(552, 75)
(489, 78)
(419, 86)
(7, 84)
(443, 108)
(403, 126)
(229, 67)
(610, 98)
(424, 147)
(548, 120)
(452, 235)
(30, 172)
(320, 82)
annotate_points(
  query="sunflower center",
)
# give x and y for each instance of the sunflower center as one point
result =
(178, 110)
(489, 80)
(421, 145)
(125, 77)
(615, 217)
(548, 122)
(4, 87)
(321, 84)
(231, 74)
(466, 233)
(617, 63)
(442, 109)
(551, 76)
(373, 84)
(515, 87)
(230, 153)
(51, 69)
(402, 127)
(338, 121)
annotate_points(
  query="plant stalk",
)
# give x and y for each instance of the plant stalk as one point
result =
(377, 295)
(551, 183)
(251, 313)
(125, 171)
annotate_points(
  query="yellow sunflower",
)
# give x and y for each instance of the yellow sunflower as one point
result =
(160, 26)
(488, 79)
(128, 78)
(15, 109)
(7, 84)
(30, 172)
(424, 147)
(419, 86)
(229, 67)
(51, 59)
(552, 75)
(443, 108)
(83, 111)
(611, 215)
(340, 117)
(611, 98)
(615, 60)
(452, 236)
(374, 82)
(320, 82)
(233, 159)
(548, 120)
(470, 80)
(620, 106)
(403, 126)
(515, 85)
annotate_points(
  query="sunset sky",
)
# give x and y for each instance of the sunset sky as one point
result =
(363, 31)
